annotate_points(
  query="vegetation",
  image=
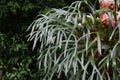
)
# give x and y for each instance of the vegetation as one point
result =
(74, 45)
(17, 60)
(16, 56)
(67, 43)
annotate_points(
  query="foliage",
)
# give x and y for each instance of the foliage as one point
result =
(15, 6)
(16, 61)
(74, 44)
(16, 58)
(14, 13)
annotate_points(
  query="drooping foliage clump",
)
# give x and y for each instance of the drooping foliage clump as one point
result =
(73, 44)
(69, 43)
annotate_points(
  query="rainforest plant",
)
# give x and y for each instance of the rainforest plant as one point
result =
(73, 44)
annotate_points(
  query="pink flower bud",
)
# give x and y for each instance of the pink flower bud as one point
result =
(106, 20)
(108, 4)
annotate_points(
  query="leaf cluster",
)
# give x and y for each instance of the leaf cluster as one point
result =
(16, 61)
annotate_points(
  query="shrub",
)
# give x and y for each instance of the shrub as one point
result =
(73, 44)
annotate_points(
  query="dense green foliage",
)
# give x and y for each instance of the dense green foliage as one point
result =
(16, 58)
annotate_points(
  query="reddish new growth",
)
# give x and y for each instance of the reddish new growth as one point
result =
(108, 4)
(106, 20)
